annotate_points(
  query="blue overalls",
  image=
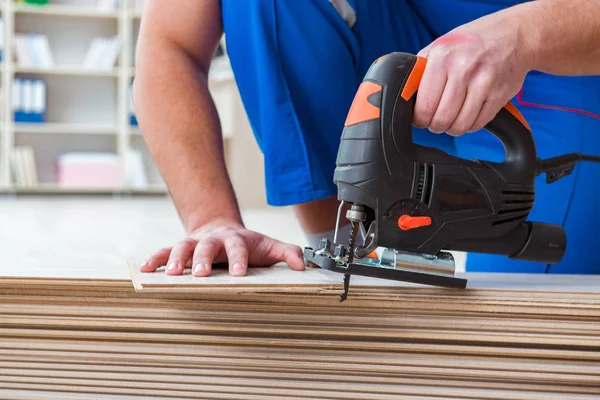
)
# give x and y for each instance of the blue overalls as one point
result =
(298, 64)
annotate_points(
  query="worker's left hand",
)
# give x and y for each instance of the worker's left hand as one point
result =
(471, 73)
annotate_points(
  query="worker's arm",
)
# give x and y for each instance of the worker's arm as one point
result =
(178, 118)
(475, 69)
(563, 36)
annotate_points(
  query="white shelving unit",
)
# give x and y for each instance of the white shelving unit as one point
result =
(87, 110)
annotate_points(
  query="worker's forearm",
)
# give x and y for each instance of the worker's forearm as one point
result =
(180, 124)
(563, 36)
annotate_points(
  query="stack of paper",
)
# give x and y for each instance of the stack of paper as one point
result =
(33, 51)
(102, 53)
(29, 100)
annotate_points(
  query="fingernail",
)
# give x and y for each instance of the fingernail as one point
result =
(200, 268)
(172, 266)
(238, 268)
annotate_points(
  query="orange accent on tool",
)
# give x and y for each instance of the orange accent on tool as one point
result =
(379, 59)
(361, 110)
(407, 222)
(510, 107)
(414, 78)
(372, 255)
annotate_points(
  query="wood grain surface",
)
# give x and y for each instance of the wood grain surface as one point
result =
(78, 321)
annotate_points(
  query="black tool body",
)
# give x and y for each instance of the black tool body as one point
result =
(424, 200)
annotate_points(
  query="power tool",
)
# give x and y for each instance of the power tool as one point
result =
(419, 203)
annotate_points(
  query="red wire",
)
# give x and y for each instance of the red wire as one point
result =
(551, 107)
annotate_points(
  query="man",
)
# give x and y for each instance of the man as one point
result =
(298, 65)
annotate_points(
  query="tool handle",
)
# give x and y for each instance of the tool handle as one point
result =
(509, 125)
(400, 74)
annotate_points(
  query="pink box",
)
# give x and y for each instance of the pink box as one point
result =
(89, 171)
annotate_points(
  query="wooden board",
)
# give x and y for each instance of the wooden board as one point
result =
(280, 278)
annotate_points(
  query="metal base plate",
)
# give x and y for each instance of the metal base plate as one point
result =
(324, 260)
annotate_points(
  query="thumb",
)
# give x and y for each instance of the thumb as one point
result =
(295, 258)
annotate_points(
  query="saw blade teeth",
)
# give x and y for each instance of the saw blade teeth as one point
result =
(352, 240)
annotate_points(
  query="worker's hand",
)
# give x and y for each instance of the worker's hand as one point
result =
(221, 242)
(471, 73)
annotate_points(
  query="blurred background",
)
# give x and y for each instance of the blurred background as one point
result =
(68, 125)
(77, 181)
(74, 167)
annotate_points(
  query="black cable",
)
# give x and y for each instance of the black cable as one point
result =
(590, 158)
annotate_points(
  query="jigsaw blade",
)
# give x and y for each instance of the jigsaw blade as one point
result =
(351, 245)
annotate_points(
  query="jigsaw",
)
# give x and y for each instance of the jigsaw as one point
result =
(419, 203)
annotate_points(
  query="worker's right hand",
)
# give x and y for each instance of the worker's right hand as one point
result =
(220, 242)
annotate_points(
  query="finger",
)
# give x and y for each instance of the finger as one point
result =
(237, 255)
(179, 257)
(471, 108)
(450, 105)
(204, 255)
(429, 93)
(156, 260)
(288, 253)
(294, 258)
(488, 111)
(425, 51)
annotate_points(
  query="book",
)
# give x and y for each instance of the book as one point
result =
(2, 39)
(33, 51)
(132, 118)
(102, 53)
(23, 165)
(29, 100)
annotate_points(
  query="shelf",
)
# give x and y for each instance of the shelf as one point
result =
(75, 93)
(133, 131)
(50, 188)
(150, 189)
(56, 10)
(54, 188)
(66, 71)
(64, 128)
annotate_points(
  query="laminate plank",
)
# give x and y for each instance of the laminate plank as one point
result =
(316, 278)
(26, 394)
(286, 347)
(15, 313)
(576, 381)
(331, 392)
